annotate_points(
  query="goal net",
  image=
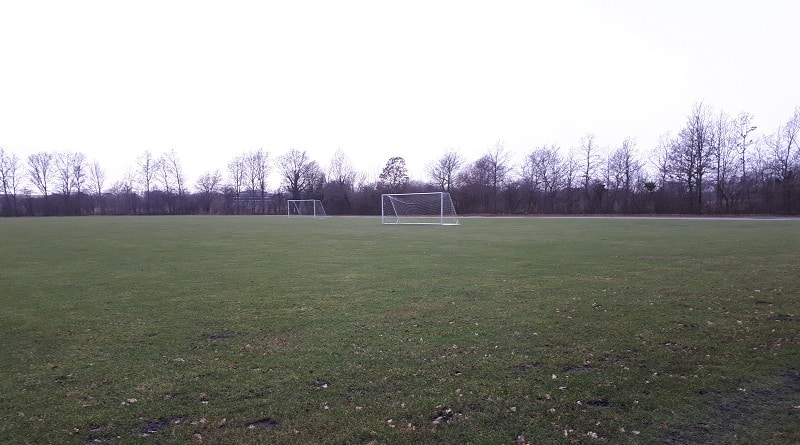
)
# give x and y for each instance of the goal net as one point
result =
(418, 208)
(305, 207)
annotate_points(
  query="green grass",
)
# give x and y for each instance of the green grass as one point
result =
(270, 330)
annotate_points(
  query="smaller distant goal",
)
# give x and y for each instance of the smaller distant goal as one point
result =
(418, 208)
(311, 208)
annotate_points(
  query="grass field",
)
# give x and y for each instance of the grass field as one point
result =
(269, 330)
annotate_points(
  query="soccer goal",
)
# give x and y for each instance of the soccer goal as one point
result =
(305, 207)
(418, 208)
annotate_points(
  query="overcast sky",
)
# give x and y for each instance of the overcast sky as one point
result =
(378, 79)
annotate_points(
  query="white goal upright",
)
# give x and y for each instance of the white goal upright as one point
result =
(418, 208)
(305, 207)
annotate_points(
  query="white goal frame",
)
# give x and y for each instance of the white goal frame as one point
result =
(433, 208)
(308, 208)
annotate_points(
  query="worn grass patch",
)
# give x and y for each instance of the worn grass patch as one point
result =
(269, 330)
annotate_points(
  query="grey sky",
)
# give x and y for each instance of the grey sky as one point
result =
(378, 79)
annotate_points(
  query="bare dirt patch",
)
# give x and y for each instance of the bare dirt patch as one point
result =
(263, 424)
(733, 415)
(220, 336)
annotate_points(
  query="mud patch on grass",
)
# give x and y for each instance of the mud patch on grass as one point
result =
(154, 427)
(578, 369)
(599, 403)
(472, 408)
(263, 424)
(759, 412)
(445, 416)
(321, 384)
(525, 367)
(355, 393)
(220, 336)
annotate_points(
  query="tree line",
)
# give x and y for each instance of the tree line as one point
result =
(715, 164)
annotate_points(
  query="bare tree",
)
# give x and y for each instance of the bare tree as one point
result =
(542, 176)
(97, 177)
(165, 177)
(495, 161)
(660, 163)
(170, 164)
(783, 145)
(623, 169)
(758, 170)
(71, 172)
(660, 159)
(260, 160)
(744, 126)
(482, 180)
(237, 172)
(207, 185)
(147, 169)
(571, 168)
(39, 169)
(78, 178)
(590, 157)
(341, 170)
(257, 170)
(63, 163)
(475, 189)
(724, 158)
(784, 159)
(444, 171)
(9, 176)
(394, 177)
(123, 199)
(252, 174)
(692, 155)
(341, 182)
(302, 176)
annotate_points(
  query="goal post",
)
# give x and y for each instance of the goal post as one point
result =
(418, 208)
(305, 207)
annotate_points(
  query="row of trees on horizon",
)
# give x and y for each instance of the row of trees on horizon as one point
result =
(716, 163)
